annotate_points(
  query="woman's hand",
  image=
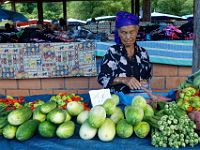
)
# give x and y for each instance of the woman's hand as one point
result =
(131, 82)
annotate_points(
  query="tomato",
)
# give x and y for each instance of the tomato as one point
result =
(190, 109)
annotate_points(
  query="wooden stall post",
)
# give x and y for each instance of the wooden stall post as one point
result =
(196, 42)
(146, 11)
(40, 11)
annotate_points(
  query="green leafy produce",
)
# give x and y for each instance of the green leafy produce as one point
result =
(109, 105)
(19, 116)
(56, 116)
(3, 121)
(107, 131)
(184, 84)
(148, 112)
(65, 130)
(67, 115)
(196, 82)
(47, 107)
(134, 114)
(195, 101)
(142, 129)
(74, 108)
(38, 115)
(126, 108)
(82, 116)
(9, 131)
(86, 131)
(139, 101)
(26, 130)
(1, 131)
(97, 116)
(124, 129)
(47, 129)
(115, 98)
(117, 115)
(173, 128)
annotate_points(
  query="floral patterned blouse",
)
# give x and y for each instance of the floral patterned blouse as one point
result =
(116, 63)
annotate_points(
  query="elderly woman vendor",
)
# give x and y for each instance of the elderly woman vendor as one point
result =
(125, 66)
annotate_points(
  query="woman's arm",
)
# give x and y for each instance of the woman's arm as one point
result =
(108, 68)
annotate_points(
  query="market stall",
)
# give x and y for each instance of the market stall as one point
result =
(75, 142)
(177, 52)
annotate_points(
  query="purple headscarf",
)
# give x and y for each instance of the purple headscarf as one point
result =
(124, 19)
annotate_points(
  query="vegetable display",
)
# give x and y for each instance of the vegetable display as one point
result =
(171, 124)
(173, 128)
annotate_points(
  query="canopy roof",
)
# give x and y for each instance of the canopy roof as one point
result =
(157, 14)
(102, 18)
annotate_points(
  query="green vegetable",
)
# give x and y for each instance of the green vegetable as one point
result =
(47, 107)
(38, 115)
(65, 130)
(19, 116)
(9, 131)
(3, 121)
(115, 98)
(148, 112)
(196, 82)
(173, 128)
(139, 101)
(109, 105)
(134, 114)
(97, 116)
(82, 116)
(107, 131)
(74, 108)
(124, 129)
(47, 129)
(195, 101)
(142, 129)
(117, 115)
(1, 131)
(56, 116)
(26, 130)
(67, 115)
(86, 131)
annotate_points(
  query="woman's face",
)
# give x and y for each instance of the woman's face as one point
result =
(128, 34)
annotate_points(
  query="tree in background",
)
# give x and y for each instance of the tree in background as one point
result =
(174, 7)
(27, 9)
(90, 9)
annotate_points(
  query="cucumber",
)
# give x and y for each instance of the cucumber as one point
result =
(87, 132)
(47, 129)
(38, 115)
(107, 131)
(65, 130)
(9, 131)
(19, 116)
(27, 130)
(47, 107)
(56, 116)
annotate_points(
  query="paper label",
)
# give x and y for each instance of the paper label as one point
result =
(98, 97)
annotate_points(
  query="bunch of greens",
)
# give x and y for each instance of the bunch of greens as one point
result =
(173, 128)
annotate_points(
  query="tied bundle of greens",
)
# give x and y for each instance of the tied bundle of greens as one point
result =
(171, 127)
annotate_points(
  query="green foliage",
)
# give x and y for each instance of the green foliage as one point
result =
(170, 6)
(89, 9)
